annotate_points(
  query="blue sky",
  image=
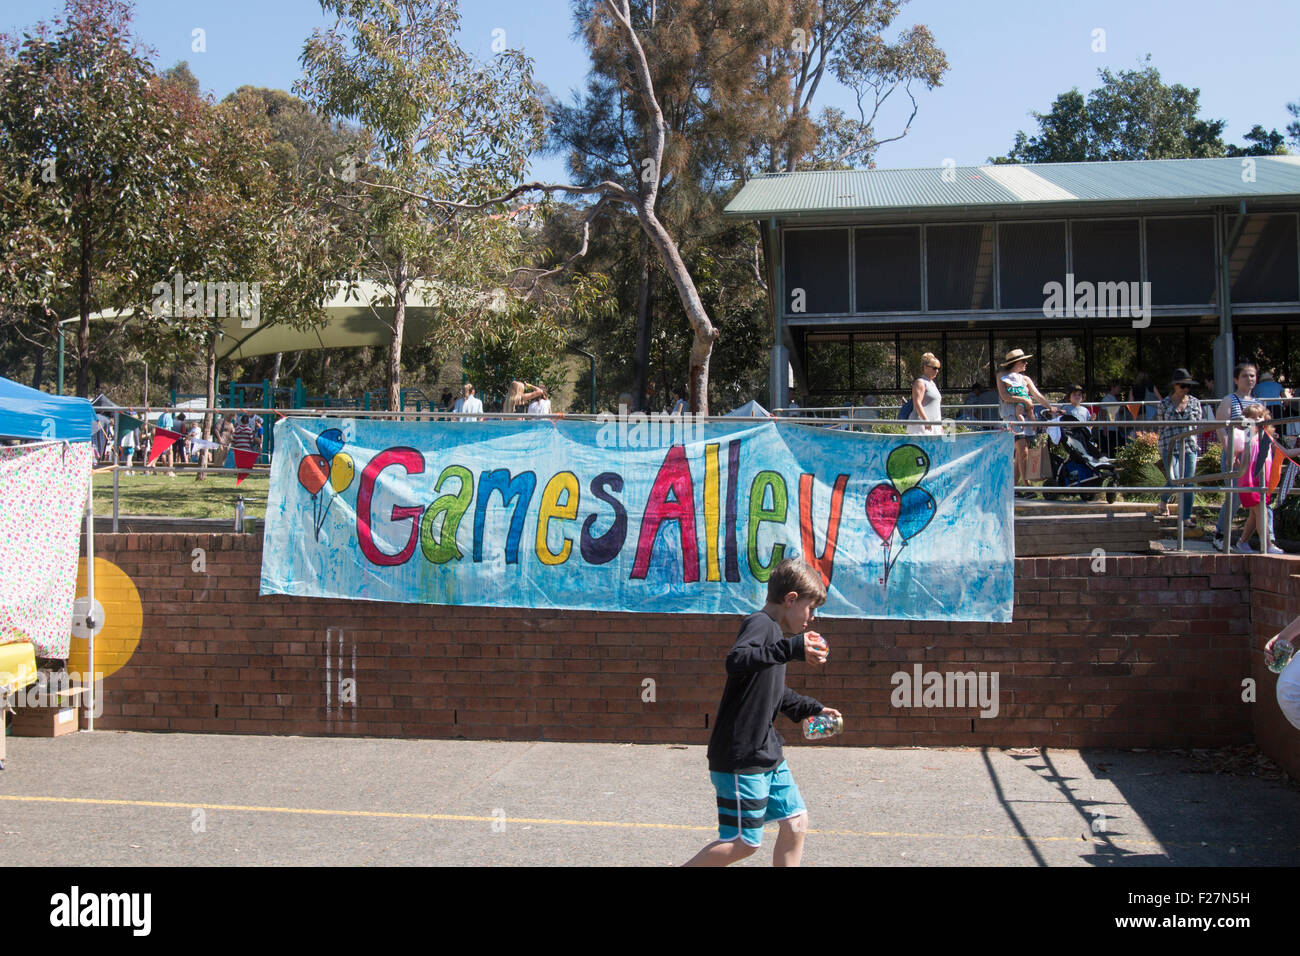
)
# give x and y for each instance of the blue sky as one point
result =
(1006, 57)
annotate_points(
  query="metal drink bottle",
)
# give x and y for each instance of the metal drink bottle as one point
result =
(822, 726)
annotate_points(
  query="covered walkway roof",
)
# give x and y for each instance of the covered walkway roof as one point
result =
(987, 189)
(350, 321)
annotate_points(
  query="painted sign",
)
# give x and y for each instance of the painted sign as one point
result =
(639, 514)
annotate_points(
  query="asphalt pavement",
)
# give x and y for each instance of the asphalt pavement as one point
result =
(113, 798)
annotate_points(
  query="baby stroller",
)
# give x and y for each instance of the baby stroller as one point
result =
(1084, 465)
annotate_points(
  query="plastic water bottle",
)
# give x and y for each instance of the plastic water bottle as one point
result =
(822, 726)
(239, 515)
(1282, 651)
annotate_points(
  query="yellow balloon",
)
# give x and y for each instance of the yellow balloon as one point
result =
(341, 472)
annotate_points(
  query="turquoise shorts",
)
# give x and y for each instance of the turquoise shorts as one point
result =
(747, 801)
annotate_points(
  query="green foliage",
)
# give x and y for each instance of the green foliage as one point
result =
(1286, 519)
(1131, 115)
(1138, 461)
(432, 122)
(518, 347)
(96, 159)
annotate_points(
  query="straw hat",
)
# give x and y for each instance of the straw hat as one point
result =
(1014, 356)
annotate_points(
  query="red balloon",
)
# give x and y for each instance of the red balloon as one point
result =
(883, 505)
(313, 472)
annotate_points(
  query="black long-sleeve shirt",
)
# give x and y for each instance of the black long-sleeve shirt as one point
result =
(743, 739)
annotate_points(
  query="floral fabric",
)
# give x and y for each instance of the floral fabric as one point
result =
(42, 501)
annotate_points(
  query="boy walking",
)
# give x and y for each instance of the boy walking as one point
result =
(746, 764)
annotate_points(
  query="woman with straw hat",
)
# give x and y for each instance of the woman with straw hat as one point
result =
(1019, 395)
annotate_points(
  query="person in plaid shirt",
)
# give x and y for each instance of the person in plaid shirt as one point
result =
(1179, 457)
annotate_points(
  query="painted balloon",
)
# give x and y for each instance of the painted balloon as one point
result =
(341, 471)
(906, 466)
(329, 442)
(313, 472)
(916, 510)
(882, 510)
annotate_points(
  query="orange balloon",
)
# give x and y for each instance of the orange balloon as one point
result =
(313, 472)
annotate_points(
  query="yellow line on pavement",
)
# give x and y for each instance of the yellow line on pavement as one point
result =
(465, 818)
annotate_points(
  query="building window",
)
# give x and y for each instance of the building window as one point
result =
(1263, 266)
(875, 364)
(816, 271)
(827, 360)
(1105, 250)
(959, 267)
(1030, 255)
(1180, 260)
(888, 264)
(1061, 361)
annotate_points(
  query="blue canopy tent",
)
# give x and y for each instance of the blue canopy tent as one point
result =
(31, 414)
(27, 413)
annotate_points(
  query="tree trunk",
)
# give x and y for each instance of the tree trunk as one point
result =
(399, 325)
(211, 402)
(641, 365)
(705, 333)
(39, 373)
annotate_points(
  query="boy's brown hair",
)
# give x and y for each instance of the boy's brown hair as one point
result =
(795, 574)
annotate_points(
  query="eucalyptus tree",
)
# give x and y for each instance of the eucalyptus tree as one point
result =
(94, 166)
(431, 120)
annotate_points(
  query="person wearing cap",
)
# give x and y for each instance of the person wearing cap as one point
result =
(1019, 395)
(1178, 454)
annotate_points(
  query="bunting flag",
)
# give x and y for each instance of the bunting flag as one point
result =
(162, 440)
(244, 461)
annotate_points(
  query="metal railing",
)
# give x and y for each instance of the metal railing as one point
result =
(796, 416)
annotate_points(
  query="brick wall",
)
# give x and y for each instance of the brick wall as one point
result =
(1275, 587)
(1150, 652)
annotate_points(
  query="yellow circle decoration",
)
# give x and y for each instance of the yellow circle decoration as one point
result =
(117, 637)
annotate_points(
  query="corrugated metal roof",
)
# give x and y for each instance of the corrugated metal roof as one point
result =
(1150, 180)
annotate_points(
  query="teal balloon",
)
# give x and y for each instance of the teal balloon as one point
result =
(329, 442)
(906, 466)
(915, 511)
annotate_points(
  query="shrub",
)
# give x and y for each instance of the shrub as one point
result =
(1138, 463)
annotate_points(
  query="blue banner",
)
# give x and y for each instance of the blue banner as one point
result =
(635, 514)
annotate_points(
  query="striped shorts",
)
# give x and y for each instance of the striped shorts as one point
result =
(746, 801)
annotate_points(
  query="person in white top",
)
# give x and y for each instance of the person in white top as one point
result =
(520, 398)
(1288, 682)
(926, 399)
(542, 404)
(469, 402)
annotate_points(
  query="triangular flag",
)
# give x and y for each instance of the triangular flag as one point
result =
(162, 440)
(244, 461)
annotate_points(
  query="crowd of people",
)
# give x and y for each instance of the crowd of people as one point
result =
(1256, 399)
(235, 430)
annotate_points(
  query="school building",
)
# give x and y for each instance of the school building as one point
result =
(1104, 271)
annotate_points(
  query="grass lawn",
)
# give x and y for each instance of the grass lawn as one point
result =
(182, 496)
